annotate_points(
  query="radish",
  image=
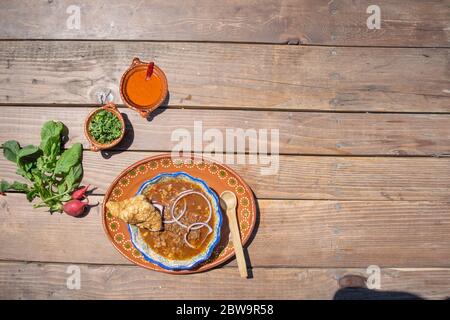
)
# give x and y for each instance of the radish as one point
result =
(80, 193)
(75, 207)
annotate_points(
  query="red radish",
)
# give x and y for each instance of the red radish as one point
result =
(80, 193)
(75, 207)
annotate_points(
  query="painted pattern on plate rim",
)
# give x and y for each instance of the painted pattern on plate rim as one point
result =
(230, 180)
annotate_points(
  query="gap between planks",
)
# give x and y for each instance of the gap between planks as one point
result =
(49, 281)
(271, 21)
(228, 264)
(282, 44)
(221, 108)
(166, 151)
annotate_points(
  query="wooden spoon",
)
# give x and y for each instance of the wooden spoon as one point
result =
(228, 202)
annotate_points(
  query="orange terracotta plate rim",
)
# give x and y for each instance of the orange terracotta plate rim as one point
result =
(247, 212)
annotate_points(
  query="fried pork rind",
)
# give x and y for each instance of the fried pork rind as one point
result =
(137, 211)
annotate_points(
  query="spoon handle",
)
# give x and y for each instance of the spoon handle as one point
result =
(237, 244)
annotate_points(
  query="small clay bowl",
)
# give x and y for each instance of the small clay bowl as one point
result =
(140, 94)
(95, 145)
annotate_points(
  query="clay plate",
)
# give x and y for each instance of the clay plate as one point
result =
(219, 178)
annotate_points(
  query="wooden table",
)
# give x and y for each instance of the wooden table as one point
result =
(364, 120)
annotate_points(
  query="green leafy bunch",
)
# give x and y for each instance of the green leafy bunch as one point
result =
(51, 172)
(105, 127)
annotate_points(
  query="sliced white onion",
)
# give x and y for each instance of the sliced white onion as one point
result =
(182, 195)
(159, 206)
(196, 225)
(176, 218)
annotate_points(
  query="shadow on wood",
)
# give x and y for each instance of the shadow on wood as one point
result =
(126, 142)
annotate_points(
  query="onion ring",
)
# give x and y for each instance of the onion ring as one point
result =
(182, 195)
(191, 227)
(176, 218)
(158, 206)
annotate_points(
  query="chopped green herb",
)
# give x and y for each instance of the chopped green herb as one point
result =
(105, 127)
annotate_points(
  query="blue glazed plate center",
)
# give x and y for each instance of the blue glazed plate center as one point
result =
(169, 264)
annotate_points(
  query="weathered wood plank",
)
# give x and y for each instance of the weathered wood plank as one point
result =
(48, 281)
(304, 177)
(338, 22)
(292, 233)
(299, 132)
(232, 76)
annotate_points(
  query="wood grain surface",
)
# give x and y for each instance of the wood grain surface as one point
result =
(299, 133)
(48, 281)
(233, 75)
(364, 136)
(302, 177)
(294, 233)
(337, 22)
